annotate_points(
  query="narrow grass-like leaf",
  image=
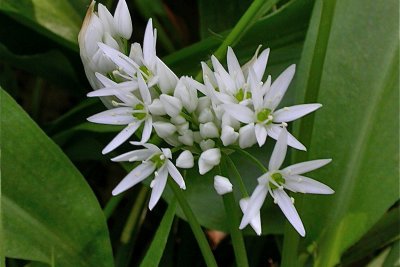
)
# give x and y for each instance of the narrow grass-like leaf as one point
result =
(154, 253)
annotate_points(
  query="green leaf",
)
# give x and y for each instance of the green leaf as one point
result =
(393, 258)
(58, 20)
(357, 127)
(49, 212)
(211, 21)
(156, 249)
(52, 66)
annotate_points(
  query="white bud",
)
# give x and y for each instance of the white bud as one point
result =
(204, 102)
(207, 144)
(178, 120)
(228, 135)
(108, 40)
(182, 127)
(187, 94)
(167, 80)
(227, 120)
(186, 138)
(122, 20)
(157, 108)
(197, 137)
(206, 115)
(164, 129)
(166, 153)
(222, 185)
(247, 136)
(185, 160)
(209, 130)
(208, 159)
(172, 105)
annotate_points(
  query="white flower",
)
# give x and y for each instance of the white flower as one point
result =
(154, 160)
(290, 178)
(122, 20)
(185, 160)
(265, 100)
(187, 94)
(133, 113)
(208, 159)
(222, 185)
(255, 222)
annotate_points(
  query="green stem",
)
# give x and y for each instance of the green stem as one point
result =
(194, 224)
(134, 215)
(251, 158)
(112, 205)
(291, 237)
(255, 10)
(232, 213)
(237, 176)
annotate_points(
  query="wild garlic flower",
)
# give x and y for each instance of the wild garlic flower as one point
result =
(131, 111)
(154, 160)
(275, 181)
(101, 26)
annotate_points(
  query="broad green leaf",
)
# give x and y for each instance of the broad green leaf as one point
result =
(156, 249)
(57, 19)
(384, 232)
(357, 126)
(49, 212)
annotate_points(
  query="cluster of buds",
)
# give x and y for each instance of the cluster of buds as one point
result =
(233, 107)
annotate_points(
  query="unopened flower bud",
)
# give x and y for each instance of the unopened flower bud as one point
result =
(185, 160)
(208, 159)
(172, 105)
(209, 130)
(228, 135)
(222, 185)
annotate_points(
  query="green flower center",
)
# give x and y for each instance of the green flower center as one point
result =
(264, 116)
(158, 160)
(140, 113)
(145, 71)
(278, 178)
(241, 95)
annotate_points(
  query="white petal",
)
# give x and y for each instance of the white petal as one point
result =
(279, 153)
(158, 185)
(239, 112)
(255, 223)
(234, 67)
(121, 60)
(115, 116)
(120, 138)
(144, 90)
(137, 175)
(274, 131)
(279, 87)
(104, 80)
(149, 53)
(261, 134)
(294, 112)
(256, 92)
(186, 137)
(208, 75)
(176, 175)
(185, 160)
(122, 20)
(261, 63)
(307, 166)
(136, 155)
(254, 205)
(287, 207)
(222, 185)
(302, 184)
(148, 125)
(205, 115)
(247, 136)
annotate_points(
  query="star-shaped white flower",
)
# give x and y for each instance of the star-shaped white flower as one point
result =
(133, 112)
(265, 100)
(154, 160)
(276, 180)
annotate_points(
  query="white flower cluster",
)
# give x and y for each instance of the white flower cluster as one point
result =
(233, 107)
